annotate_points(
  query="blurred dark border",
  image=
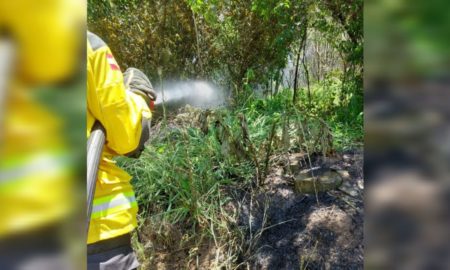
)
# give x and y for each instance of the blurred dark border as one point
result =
(407, 134)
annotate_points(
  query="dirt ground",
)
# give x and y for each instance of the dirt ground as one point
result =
(289, 230)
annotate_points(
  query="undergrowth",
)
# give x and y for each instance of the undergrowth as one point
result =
(183, 177)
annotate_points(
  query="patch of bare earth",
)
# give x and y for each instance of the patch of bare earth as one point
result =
(290, 230)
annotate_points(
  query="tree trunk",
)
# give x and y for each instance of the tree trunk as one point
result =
(197, 37)
(277, 82)
(297, 63)
(305, 66)
(318, 60)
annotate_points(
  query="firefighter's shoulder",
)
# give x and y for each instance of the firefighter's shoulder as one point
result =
(95, 41)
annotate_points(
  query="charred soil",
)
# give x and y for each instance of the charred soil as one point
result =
(289, 230)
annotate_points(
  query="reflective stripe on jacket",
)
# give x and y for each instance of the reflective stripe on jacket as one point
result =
(35, 173)
(120, 112)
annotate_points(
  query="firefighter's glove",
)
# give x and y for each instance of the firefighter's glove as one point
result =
(137, 82)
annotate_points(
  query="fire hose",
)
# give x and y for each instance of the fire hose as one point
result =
(95, 146)
(6, 62)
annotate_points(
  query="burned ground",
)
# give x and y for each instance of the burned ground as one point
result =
(288, 230)
(281, 229)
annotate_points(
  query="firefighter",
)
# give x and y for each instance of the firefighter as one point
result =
(121, 103)
(36, 165)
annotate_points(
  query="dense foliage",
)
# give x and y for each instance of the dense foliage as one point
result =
(236, 42)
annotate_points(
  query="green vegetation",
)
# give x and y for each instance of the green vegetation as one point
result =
(186, 172)
(294, 71)
(226, 41)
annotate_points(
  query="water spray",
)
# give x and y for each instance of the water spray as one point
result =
(174, 95)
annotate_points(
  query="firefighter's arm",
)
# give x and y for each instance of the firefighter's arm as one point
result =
(121, 112)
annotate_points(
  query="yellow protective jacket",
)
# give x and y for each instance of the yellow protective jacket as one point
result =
(121, 113)
(36, 173)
